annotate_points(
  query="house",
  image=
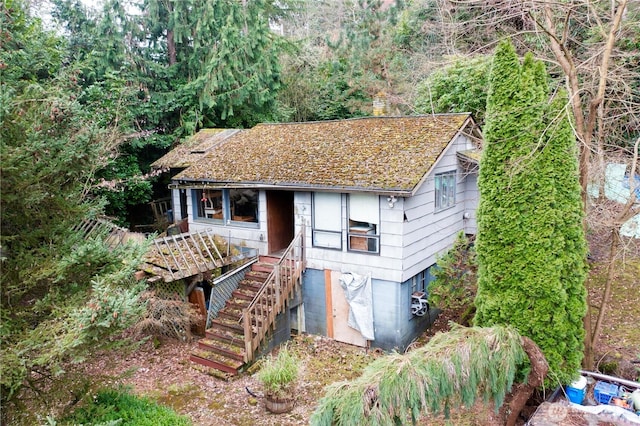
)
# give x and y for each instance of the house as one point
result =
(377, 199)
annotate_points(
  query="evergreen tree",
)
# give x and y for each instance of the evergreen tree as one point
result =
(54, 137)
(459, 87)
(530, 245)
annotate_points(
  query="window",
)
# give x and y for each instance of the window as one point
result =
(226, 205)
(327, 220)
(445, 190)
(364, 223)
(243, 204)
(420, 281)
(209, 203)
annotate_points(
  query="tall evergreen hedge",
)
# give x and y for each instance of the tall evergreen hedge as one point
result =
(531, 246)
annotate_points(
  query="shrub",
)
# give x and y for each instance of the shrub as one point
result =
(121, 406)
(456, 281)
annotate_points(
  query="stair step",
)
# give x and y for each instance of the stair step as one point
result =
(229, 325)
(248, 284)
(261, 267)
(229, 317)
(230, 337)
(244, 294)
(237, 303)
(269, 259)
(212, 360)
(222, 348)
(230, 312)
(259, 276)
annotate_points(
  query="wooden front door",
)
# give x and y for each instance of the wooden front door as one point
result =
(280, 220)
(338, 312)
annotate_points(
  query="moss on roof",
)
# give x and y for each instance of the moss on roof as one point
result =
(376, 153)
(471, 154)
(191, 149)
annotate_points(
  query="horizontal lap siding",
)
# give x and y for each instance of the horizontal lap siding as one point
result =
(427, 233)
(385, 266)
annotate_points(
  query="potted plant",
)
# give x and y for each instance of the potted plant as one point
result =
(278, 376)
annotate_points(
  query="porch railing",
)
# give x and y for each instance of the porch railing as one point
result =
(260, 316)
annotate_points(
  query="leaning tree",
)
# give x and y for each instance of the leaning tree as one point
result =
(457, 368)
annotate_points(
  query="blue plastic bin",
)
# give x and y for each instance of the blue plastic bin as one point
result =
(604, 391)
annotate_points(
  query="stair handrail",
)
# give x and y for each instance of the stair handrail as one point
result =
(273, 295)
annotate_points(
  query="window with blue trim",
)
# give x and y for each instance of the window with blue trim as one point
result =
(421, 281)
(209, 203)
(226, 205)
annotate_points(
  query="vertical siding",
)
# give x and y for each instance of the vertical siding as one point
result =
(175, 204)
(313, 297)
(388, 311)
(472, 197)
(394, 325)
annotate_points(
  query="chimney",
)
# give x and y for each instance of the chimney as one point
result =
(380, 104)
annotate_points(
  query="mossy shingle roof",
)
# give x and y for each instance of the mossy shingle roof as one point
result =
(390, 154)
(190, 150)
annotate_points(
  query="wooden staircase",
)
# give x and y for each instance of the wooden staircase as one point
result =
(223, 347)
(244, 323)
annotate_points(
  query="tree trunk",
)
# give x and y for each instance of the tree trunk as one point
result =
(171, 48)
(520, 393)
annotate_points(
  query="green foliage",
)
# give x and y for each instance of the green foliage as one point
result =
(460, 87)
(51, 150)
(123, 186)
(73, 315)
(110, 308)
(225, 69)
(530, 245)
(347, 58)
(453, 368)
(455, 283)
(278, 373)
(121, 407)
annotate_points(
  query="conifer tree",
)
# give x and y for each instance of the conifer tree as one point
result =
(531, 247)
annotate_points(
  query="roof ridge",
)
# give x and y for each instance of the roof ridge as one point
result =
(372, 117)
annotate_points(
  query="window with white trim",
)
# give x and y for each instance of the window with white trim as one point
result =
(327, 220)
(445, 184)
(364, 223)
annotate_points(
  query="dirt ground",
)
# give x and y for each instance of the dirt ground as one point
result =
(163, 371)
(166, 374)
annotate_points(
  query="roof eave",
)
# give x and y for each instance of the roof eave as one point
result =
(196, 184)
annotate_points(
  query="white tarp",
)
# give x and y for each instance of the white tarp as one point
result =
(357, 289)
(617, 187)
